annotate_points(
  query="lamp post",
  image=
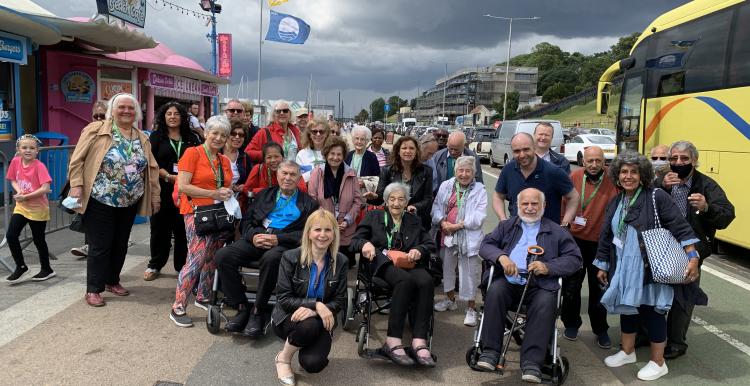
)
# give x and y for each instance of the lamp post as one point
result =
(507, 62)
(211, 6)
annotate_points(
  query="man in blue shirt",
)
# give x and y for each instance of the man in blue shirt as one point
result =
(272, 225)
(506, 247)
(527, 170)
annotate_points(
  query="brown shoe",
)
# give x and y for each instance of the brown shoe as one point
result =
(117, 289)
(150, 275)
(94, 299)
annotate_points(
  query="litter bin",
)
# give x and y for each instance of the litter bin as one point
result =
(56, 160)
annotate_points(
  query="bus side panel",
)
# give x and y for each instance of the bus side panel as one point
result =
(732, 178)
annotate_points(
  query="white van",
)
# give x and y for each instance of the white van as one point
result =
(500, 152)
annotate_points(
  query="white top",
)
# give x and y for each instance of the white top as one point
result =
(307, 159)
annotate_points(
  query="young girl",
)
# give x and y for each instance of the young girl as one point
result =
(31, 181)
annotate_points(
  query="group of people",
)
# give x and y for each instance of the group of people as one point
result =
(310, 205)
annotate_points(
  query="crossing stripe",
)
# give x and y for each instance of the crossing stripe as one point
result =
(724, 276)
(722, 335)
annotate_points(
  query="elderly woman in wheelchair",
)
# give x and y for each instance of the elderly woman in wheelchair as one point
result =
(533, 253)
(398, 250)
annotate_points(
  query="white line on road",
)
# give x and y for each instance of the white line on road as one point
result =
(722, 335)
(724, 276)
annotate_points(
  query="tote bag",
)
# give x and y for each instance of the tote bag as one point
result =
(666, 256)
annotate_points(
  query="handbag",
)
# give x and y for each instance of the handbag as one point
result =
(666, 256)
(400, 259)
(76, 223)
(214, 218)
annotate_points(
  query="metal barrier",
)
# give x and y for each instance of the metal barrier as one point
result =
(55, 159)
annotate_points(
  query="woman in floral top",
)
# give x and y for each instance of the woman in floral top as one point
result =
(114, 176)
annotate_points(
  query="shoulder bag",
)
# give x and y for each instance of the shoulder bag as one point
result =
(214, 218)
(666, 256)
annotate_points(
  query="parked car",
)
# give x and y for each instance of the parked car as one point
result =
(500, 152)
(573, 150)
(481, 141)
(607, 132)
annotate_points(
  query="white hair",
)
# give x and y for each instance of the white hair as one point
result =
(362, 129)
(272, 112)
(394, 186)
(112, 104)
(465, 161)
(542, 198)
(218, 123)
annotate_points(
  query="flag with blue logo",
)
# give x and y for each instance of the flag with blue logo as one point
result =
(287, 29)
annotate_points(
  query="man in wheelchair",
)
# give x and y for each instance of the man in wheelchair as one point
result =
(272, 225)
(506, 247)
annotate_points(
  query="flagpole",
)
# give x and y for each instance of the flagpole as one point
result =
(260, 50)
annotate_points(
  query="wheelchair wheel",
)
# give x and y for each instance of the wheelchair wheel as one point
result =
(213, 320)
(347, 317)
(472, 356)
(361, 340)
(561, 371)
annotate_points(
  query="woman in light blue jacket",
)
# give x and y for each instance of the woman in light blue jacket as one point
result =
(459, 211)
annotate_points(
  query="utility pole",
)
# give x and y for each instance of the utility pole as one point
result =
(260, 50)
(210, 5)
(445, 83)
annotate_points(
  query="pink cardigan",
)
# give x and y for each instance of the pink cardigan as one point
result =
(350, 199)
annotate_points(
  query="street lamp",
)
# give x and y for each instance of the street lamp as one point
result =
(211, 6)
(507, 62)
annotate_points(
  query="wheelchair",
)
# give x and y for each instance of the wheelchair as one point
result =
(556, 367)
(371, 295)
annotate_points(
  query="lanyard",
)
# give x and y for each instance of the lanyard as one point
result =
(129, 150)
(357, 162)
(286, 200)
(624, 212)
(218, 174)
(288, 138)
(584, 201)
(178, 148)
(389, 235)
(268, 174)
(460, 196)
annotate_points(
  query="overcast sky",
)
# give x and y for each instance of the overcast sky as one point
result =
(367, 49)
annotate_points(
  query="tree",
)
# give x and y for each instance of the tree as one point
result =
(556, 92)
(512, 105)
(621, 49)
(362, 116)
(377, 108)
(413, 104)
(396, 103)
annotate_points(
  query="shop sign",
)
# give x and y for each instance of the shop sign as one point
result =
(131, 11)
(78, 86)
(5, 124)
(209, 89)
(111, 88)
(182, 84)
(12, 48)
(225, 55)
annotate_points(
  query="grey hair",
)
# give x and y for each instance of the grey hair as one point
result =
(630, 157)
(394, 186)
(235, 100)
(291, 163)
(218, 123)
(426, 139)
(543, 198)
(113, 103)
(685, 146)
(362, 129)
(272, 112)
(459, 134)
(465, 161)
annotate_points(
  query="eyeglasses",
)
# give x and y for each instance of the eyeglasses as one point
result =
(282, 111)
(683, 158)
(98, 117)
(658, 158)
(441, 136)
(317, 132)
(235, 111)
(334, 132)
(237, 134)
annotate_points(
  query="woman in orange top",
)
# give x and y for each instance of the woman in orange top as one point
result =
(204, 177)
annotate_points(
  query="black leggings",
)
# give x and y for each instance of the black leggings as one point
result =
(655, 323)
(312, 339)
(412, 289)
(15, 226)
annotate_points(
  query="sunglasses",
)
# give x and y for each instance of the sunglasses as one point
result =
(282, 111)
(334, 132)
(98, 117)
(235, 111)
(658, 158)
(237, 134)
(681, 158)
(441, 136)
(317, 132)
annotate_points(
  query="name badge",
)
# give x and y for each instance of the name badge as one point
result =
(174, 168)
(266, 223)
(617, 242)
(385, 252)
(130, 169)
(580, 221)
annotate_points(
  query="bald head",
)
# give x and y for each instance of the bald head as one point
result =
(456, 144)
(660, 152)
(530, 203)
(593, 159)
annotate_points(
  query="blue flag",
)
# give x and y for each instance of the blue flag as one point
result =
(287, 29)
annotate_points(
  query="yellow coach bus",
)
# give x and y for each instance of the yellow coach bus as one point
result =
(688, 78)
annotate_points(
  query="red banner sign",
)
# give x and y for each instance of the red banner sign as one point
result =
(225, 55)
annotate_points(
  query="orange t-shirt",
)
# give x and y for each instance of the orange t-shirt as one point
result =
(195, 161)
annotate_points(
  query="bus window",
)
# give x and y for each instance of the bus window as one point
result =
(739, 67)
(630, 111)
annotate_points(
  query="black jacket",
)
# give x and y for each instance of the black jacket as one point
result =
(294, 279)
(166, 158)
(421, 190)
(370, 165)
(559, 160)
(641, 217)
(719, 215)
(262, 206)
(410, 236)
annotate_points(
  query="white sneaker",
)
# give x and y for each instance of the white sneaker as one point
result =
(445, 305)
(651, 371)
(82, 251)
(619, 359)
(471, 317)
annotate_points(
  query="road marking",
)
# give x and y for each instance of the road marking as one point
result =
(490, 174)
(722, 335)
(724, 276)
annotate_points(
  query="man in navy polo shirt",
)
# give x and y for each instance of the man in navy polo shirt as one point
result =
(527, 170)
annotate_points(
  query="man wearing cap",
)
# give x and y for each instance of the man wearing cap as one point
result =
(301, 118)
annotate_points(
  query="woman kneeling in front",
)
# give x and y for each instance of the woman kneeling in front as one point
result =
(311, 290)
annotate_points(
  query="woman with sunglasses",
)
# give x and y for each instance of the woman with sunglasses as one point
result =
(313, 139)
(281, 130)
(240, 161)
(169, 140)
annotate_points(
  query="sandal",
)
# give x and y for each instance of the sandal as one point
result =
(288, 380)
(402, 360)
(424, 361)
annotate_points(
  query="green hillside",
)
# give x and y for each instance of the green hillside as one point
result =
(586, 115)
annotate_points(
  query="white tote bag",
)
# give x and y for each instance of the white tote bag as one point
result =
(666, 256)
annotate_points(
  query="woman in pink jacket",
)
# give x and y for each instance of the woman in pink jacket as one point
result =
(335, 187)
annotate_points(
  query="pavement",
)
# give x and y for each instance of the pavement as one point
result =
(49, 336)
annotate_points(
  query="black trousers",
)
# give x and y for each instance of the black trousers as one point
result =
(540, 312)
(167, 222)
(15, 226)
(240, 254)
(412, 289)
(654, 322)
(311, 337)
(571, 295)
(678, 320)
(107, 230)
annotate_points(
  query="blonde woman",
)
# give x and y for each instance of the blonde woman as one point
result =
(311, 290)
